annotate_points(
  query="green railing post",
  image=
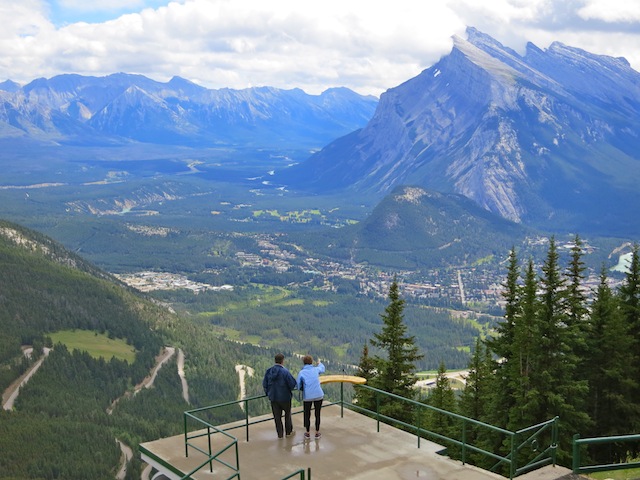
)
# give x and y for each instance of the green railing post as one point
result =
(419, 417)
(378, 410)
(246, 417)
(512, 463)
(464, 441)
(186, 437)
(555, 435)
(575, 463)
(210, 451)
(341, 399)
(237, 460)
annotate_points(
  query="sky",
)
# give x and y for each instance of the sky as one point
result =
(366, 45)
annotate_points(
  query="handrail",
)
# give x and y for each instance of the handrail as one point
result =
(577, 442)
(300, 474)
(210, 456)
(545, 457)
(233, 441)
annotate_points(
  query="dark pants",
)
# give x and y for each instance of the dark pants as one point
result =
(317, 405)
(278, 408)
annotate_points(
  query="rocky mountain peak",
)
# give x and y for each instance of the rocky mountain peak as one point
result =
(542, 138)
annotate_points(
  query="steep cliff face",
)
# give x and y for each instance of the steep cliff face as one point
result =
(542, 138)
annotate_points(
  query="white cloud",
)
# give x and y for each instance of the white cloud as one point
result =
(362, 44)
(624, 11)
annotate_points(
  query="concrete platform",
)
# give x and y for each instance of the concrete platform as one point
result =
(350, 448)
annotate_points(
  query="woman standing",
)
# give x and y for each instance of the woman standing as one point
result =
(312, 394)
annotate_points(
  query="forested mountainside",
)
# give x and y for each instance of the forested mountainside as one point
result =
(413, 227)
(90, 399)
(51, 297)
(77, 399)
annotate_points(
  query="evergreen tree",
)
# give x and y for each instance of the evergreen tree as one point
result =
(610, 402)
(442, 398)
(478, 401)
(576, 299)
(366, 369)
(395, 372)
(523, 366)
(502, 345)
(629, 295)
(474, 400)
(556, 391)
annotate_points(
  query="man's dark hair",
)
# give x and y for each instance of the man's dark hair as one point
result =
(279, 358)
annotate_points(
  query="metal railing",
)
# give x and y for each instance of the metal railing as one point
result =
(206, 430)
(579, 442)
(539, 441)
(299, 474)
(531, 438)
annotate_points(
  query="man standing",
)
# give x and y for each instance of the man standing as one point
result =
(278, 383)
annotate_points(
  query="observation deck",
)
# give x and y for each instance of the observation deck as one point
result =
(353, 446)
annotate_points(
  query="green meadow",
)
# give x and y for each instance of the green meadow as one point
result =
(96, 344)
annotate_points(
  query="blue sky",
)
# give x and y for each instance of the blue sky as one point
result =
(366, 45)
(66, 12)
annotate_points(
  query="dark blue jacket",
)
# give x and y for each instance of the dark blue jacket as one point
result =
(278, 384)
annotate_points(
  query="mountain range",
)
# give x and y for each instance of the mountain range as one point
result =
(548, 139)
(121, 108)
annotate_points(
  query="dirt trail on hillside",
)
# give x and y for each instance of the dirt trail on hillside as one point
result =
(147, 382)
(164, 357)
(183, 379)
(11, 393)
(127, 454)
(243, 370)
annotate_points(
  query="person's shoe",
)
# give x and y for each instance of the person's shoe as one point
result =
(318, 435)
(307, 435)
(291, 433)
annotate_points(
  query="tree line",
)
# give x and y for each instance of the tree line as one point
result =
(557, 352)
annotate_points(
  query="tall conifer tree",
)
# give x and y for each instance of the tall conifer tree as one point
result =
(443, 398)
(577, 310)
(366, 369)
(558, 393)
(502, 345)
(477, 401)
(629, 294)
(395, 371)
(576, 296)
(610, 402)
(474, 400)
(524, 364)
